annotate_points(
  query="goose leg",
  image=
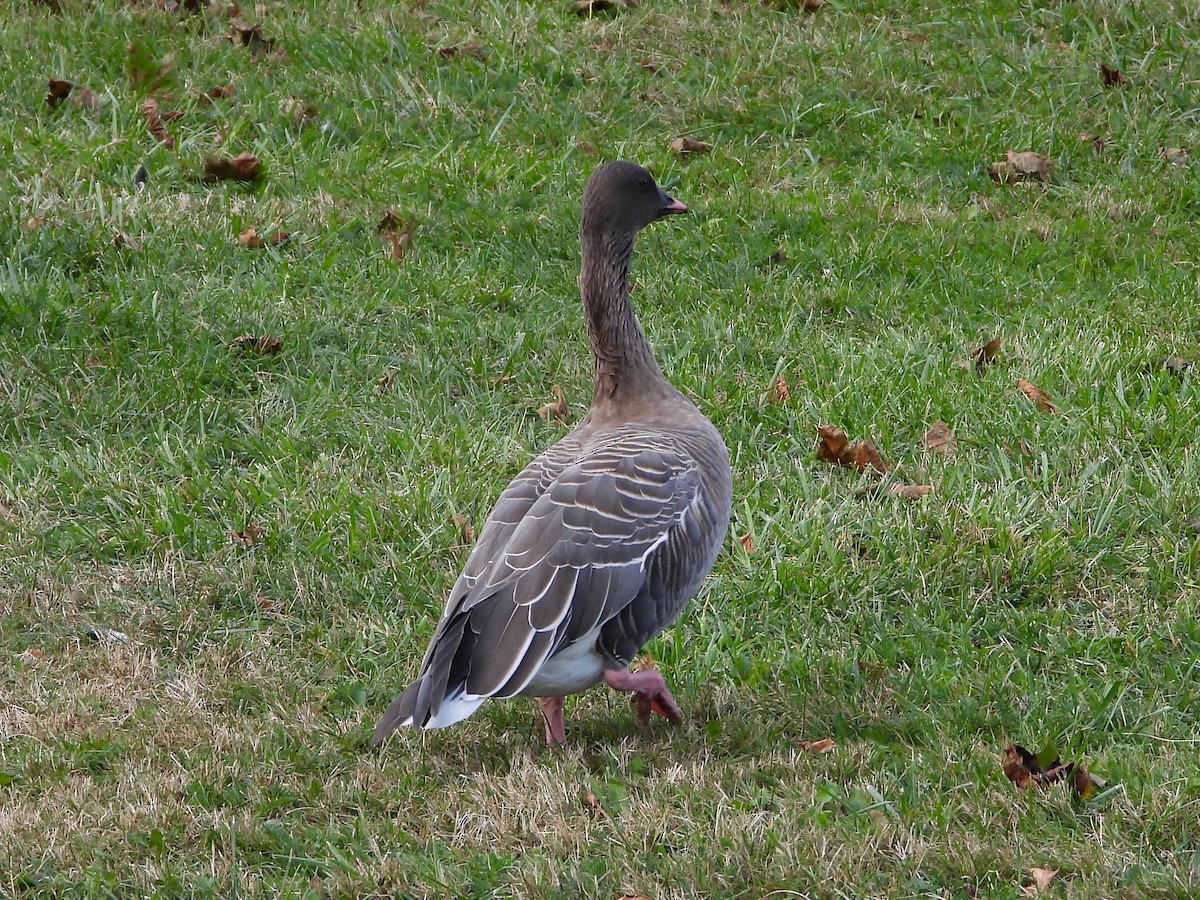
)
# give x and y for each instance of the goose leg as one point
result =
(552, 712)
(649, 693)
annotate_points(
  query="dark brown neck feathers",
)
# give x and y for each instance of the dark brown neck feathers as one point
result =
(624, 364)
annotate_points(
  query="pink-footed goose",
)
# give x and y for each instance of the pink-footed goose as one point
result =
(602, 540)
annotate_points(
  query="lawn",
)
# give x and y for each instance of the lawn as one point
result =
(221, 558)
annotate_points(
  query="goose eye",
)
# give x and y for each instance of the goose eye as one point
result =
(644, 184)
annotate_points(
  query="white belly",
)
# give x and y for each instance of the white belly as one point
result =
(572, 669)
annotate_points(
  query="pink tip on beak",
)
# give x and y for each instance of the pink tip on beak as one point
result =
(674, 207)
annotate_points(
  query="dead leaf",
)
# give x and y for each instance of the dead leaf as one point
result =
(79, 95)
(154, 123)
(910, 491)
(811, 5)
(220, 92)
(384, 383)
(645, 663)
(250, 37)
(249, 535)
(1110, 77)
(243, 167)
(34, 223)
(92, 363)
(121, 242)
(585, 148)
(297, 110)
(259, 346)
(592, 803)
(471, 49)
(556, 410)
(824, 745)
(465, 528)
(835, 447)
(1097, 141)
(1020, 167)
(916, 37)
(649, 67)
(777, 258)
(1041, 881)
(629, 896)
(1176, 156)
(779, 391)
(940, 438)
(747, 542)
(986, 355)
(1176, 365)
(591, 7)
(1024, 769)
(686, 145)
(400, 242)
(250, 238)
(1037, 395)
(35, 652)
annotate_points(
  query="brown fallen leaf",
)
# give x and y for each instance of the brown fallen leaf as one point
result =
(1097, 141)
(777, 258)
(253, 240)
(1025, 769)
(249, 36)
(650, 67)
(79, 95)
(390, 221)
(1021, 167)
(685, 146)
(910, 491)
(940, 438)
(986, 355)
(92, 363)
(1041, 881)
(1110, 77)
(779, 391)
(812, 5)
(591, 7)
(154, 123)
(835, 447)
(122, 242)
(585, 148)
(629, 896)
(1176, 365)
(220, 92)
(299, 111)
(824, 745)
(34, 223)
(471, 49)
(916, 37)
(556, 410)
(747, 542)
(35, 652)
(1176, 156)
(400, 242)
(243, 167)
(249, 535)
(384, 382)
(465, 529)
(1037, 395)
(265, 345)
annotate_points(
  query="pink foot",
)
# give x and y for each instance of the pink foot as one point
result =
(552, 712)
(649, 693)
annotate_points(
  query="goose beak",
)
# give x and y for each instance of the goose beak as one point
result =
(670, 205)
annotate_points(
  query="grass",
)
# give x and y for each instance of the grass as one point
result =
(1046, 590)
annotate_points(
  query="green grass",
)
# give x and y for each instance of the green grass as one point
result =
(1046, 591)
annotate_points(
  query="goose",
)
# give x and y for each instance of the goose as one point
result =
(600, 542)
